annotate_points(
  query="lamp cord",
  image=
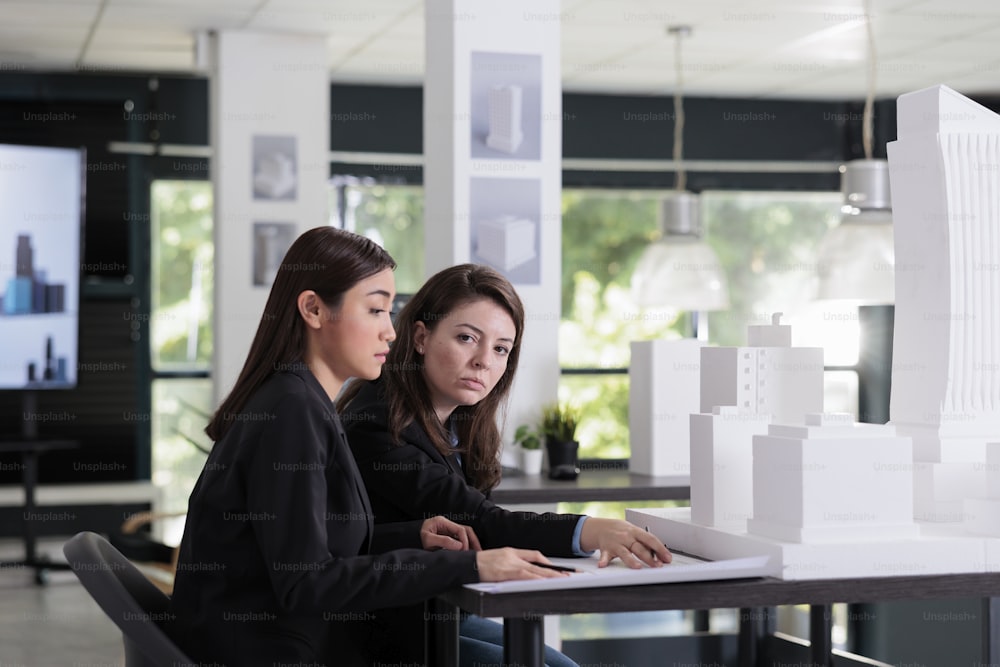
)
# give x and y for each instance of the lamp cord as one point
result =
(679, 114)
(867, 118)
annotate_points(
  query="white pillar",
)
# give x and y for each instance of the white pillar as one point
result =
(492, 175)
(270, 136)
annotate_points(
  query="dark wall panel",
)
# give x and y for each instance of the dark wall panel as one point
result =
(101, 413)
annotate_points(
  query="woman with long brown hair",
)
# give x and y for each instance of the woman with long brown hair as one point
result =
(280, 558)
(426, 436)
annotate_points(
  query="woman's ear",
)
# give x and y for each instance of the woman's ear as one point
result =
(420, 334)
(310, 308)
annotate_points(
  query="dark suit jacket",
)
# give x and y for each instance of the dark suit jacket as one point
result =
(412, 480)
(274, 565)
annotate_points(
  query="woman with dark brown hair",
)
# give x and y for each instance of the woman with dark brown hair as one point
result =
(426, 438)
(280, 558)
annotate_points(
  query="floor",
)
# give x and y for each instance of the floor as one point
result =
(55, 625)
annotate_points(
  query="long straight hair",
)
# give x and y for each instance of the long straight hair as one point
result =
(330, 262)
(405, 384)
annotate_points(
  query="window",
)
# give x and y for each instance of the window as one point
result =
(767, 244)
(390, 215)
(180, 330)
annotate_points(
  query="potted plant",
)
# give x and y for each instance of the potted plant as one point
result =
(531, 449)
(559, 422)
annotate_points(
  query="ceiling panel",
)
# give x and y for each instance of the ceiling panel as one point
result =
(769, 48)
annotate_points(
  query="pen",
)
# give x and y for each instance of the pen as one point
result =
(557, 568)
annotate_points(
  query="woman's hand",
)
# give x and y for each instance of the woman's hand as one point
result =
(509, 563)
(620, 539)
(438, 532)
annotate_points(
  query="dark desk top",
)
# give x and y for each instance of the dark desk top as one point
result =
(590, 485)
(39, 445)
(733, 594)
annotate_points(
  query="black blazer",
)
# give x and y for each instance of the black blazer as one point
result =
(274, 565)
(413, 480)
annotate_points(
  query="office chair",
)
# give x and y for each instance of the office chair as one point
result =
(128, 598)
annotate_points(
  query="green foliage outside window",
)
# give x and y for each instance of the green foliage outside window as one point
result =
(766, 243)
(392, 216)
(182, 274)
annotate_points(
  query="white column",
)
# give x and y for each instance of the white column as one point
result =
(270, 135)
(492, 175)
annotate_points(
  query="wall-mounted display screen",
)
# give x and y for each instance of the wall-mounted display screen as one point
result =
(41, 219)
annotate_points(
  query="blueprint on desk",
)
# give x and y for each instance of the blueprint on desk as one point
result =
(682, 568)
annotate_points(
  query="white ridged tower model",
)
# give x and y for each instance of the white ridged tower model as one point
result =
(945, 177)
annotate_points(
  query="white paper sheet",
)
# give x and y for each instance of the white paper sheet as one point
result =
(683, 568)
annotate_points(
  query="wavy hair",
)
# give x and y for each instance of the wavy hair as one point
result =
(407, 392)
(330, 262)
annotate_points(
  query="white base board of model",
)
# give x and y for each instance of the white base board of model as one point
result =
(940, 549)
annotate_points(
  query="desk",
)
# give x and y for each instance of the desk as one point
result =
(524, 633)
(590, 486)
(30, 451)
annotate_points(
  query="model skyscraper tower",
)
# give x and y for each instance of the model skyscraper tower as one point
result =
(946, 344)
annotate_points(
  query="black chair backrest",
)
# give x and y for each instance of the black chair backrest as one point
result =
(128, 598)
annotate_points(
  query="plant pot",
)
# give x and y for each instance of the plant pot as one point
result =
(562, 458)
(531, 461)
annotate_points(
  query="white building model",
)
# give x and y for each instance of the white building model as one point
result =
(742, 390)
(833, 498)
(946, 345)
(663, 379)
(505, 118)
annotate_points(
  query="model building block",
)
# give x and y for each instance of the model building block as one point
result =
(664, 376)
(721, 463)
(832, 481)
(939, 489)
(776, 379)
(981, 513)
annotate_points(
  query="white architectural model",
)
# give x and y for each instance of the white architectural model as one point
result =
(505, 118)
(506, 242)
(946, 345)
(834, 498)
(722, 465)
(663, 380)
(768, 376)
(832, 480)
(743, 389)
